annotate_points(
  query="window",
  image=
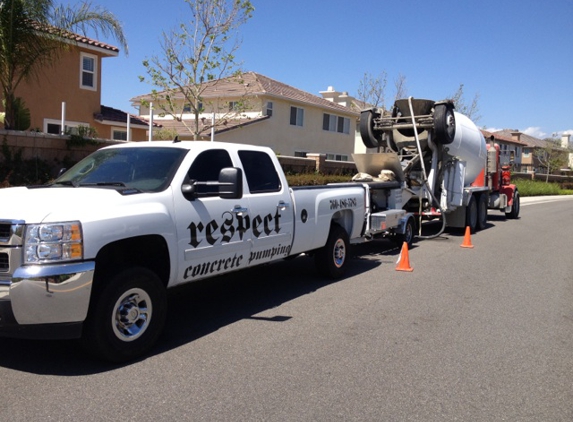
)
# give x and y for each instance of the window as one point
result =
(260, 172)
(234, 106)
(269, 110)
(334, 123)
(88, 71)
(337, 157)
(207, 166)
(296, 116)
(188, 109)
(53, 128)
(119, 135)
(300, 154)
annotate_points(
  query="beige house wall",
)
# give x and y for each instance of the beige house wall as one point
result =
(276, 132)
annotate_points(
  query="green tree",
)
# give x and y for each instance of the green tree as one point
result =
(31, 33)
(551, 157)
(196, 55)
(372, 89)
(468, 108)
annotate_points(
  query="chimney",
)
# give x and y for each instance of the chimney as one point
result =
(565, 140)
(516, 135)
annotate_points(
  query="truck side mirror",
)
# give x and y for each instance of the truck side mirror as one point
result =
(229, 186)
(231, 183)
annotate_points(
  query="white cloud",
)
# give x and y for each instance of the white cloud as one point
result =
(492, 129)
(535, 131)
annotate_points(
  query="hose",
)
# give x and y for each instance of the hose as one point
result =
(426, 183)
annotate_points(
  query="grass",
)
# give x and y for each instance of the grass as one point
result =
(538, 188)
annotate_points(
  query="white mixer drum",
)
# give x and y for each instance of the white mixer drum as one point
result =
(469, 146)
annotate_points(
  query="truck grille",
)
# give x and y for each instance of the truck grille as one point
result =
(5, 231)
(4, 262)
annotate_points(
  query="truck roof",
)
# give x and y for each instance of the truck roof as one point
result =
(191, 145)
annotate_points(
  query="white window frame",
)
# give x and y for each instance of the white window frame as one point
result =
(269, 109)
(69, 125)
(119, 130)
(334, 121)
(94, 72)
(299, 118)
(336, 157)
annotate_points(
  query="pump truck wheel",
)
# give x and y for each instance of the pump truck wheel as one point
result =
(369, 138)
(482, 212)
(408, 235)
(472, 214)
(330, 260)
(514, 213)
(444, 124)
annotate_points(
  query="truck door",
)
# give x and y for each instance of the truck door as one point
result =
(270, 209)
(212, 232)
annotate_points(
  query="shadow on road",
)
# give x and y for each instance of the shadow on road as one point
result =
(200, 308)
(203, 307)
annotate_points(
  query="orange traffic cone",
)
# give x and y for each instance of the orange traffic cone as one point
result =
(404, 259)
(467, 239)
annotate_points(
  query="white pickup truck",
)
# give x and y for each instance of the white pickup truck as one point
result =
(91, 255)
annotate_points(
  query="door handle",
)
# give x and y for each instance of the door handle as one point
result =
(239, 210)
(283, 205)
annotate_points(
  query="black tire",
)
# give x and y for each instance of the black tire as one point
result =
(408, 235)
(369, 138)
(126, 316)
(330, 260)
(472, 214)
(515, 207)
(444, 124)
(482, 212)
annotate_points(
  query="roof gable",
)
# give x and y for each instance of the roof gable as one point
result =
(77, 39)
(255, 84)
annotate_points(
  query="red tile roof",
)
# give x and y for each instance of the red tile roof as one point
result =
(205, 125)
(69, 36)
(252, 84)
(501, 137)
(115, 115)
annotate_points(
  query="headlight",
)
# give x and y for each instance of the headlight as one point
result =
(53, 242)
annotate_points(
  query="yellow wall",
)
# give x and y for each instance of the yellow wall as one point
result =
(277, 132)
(60, 82)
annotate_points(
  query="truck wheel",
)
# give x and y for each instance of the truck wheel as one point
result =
(369, 139)
(330, 260)
(126, 316)
(472, 214)
(408, 235)
(444, 124)
(482, 212)
(514, 213)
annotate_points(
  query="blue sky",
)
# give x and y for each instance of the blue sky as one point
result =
(516, 55)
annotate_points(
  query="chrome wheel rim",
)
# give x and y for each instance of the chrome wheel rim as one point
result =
(132, 314)
(339, 253)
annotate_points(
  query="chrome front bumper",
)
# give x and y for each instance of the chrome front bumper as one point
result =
(45, 295)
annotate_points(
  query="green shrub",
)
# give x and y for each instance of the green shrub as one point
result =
(315, 179)
(539, 188)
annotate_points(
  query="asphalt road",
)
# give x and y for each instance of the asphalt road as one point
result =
(482, 334)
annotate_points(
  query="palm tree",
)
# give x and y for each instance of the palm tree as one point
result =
(31, 33)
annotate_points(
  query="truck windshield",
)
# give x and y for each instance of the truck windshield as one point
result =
(144, 169)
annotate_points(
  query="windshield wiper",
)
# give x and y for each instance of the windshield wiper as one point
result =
(66, 183)
(121, 184)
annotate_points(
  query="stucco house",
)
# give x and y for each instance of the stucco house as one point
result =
(529, 163)
(511, 150)
(71, 87)
(290, 121)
